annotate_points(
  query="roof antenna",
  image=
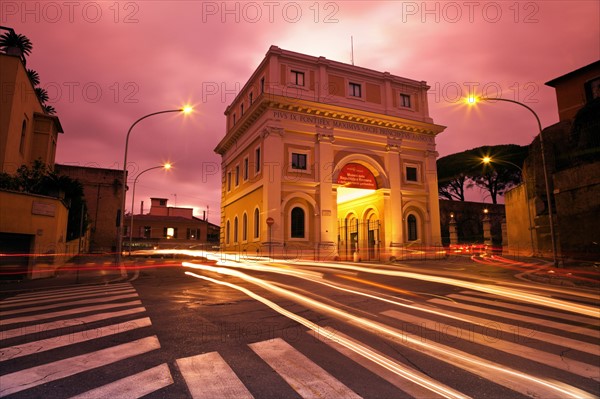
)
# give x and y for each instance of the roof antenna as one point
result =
(352, 49)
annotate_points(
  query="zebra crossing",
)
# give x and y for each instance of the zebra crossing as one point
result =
(35, 323)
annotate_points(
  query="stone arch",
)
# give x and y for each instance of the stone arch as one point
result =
(367, 161)
(295, 196)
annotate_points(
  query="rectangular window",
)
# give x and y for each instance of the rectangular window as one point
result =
(245, 168)
(298, 161)
(411, 174)
(262, 85)
(298, 78)
(228, 181)
(355, 90)
(242, 109)
(250, 97)
(193, 234)
(147, 231)
(170, 232)
(405, 100)
(257, 160)
(237, 175)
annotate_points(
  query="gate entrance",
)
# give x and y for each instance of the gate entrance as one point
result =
(360, 237)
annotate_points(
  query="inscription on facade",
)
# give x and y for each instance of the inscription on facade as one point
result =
(40, 208)
(355, 175)
(355, 126)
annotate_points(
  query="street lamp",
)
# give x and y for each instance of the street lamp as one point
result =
(471, 100)
(166, 166)
(185, 110)
(488, 160)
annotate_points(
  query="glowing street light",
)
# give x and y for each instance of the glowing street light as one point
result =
(488, 160)
(472, 100)
(166, 166)
(187, 109)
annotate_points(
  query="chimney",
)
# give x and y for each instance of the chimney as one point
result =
(142, 208)
(204, 215)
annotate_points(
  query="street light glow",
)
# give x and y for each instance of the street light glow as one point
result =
(471, 100)
(486, 160)
(187, 109)
(167, 166)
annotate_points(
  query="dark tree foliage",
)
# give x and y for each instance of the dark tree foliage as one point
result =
(12, 39)
(34, 77)
(39, 179)
(453, 173)
(463, 170)
(504, 170)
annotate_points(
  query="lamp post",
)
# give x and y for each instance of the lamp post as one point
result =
(489, 160)
(473, 100)
(185, 110)
(270, 222)
(166, 166)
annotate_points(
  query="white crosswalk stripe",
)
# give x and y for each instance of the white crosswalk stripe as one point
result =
(306, 377)
(209, 376)
(25, 379)
(134, 386)
(435, 329)
(74, 309)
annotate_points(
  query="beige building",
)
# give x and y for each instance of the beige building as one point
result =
(29, 224)
(572, 152)
(326, 159)
(102, 189)
(26, 132)
(167, 226)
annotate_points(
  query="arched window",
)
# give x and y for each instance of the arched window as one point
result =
(256, 223)
(227, 232)
(245, 227)
(412, 228)
(297, 225)
(235, 230)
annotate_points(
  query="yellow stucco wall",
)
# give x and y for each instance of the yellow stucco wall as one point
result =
(44, 219)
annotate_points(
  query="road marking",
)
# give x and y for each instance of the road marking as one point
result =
(541, 312)
(62, 304)
(208, 376)
(43, 345)
(301, 373)
(482, 336)
(37, 317)
(63, 291)
(408, 380)
(539, 335)
(133, 387)
(29, 302)
(32, 377)
(54, 325)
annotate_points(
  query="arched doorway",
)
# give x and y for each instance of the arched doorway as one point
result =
(360, 202)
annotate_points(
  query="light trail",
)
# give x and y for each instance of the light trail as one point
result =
(396, 368)
(500, 291)
(510, 378)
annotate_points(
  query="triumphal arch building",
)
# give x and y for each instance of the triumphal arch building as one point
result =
(327, 159)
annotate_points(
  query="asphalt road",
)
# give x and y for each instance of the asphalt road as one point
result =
(314, 330)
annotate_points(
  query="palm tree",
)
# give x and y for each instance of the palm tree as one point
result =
(49, 109)
(34, 77)
(42, 94)
(11, 40)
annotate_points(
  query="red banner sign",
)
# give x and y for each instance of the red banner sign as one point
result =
(355, 175)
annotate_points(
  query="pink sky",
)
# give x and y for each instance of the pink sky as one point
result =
(105, 64)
